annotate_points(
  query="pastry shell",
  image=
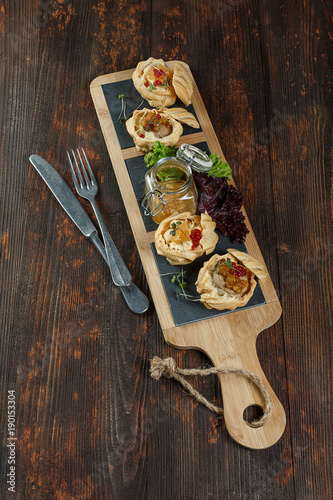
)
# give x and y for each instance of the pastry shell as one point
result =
(251, 263)
(182, 116)
(182, 82)
(160, 96)
(214, 297)
(134, 126)
(181, 253)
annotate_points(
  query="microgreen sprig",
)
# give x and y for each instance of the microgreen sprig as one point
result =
(175, 228)
(149, 126)
(122, 118)
(179, 279)
(228, 263)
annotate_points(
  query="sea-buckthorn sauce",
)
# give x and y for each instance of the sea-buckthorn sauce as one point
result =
(153, 122)
(237, 279)
(183, 233)
(158, 76)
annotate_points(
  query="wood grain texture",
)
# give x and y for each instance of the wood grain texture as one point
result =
(90, 421)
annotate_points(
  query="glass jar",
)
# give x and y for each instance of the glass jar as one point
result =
(170, 189)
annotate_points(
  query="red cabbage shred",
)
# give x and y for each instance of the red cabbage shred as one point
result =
(223, 203)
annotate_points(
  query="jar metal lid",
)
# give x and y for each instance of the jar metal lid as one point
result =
(197, 159)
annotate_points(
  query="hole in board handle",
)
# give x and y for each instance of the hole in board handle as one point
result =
(252, 413)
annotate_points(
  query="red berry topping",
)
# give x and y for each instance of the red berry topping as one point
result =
(157, 83)
(142, 135)
(158, 116)
(240, 271)
(146, 84)
(237, 270)
(195, 237)
(158, 72)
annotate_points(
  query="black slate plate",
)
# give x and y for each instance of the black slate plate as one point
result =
(183, 311)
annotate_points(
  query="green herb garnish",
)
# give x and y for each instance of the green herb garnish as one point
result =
(148, 126)
(158, 152)
(122, 118)
(175, 228)
(151, 87)
(166, 83)
(219, 168)
(228, 263)
(180, 281)
(182, 285)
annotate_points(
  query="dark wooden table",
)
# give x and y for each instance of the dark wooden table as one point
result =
(89, 421)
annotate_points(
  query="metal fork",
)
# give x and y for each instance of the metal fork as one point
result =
(88, 188)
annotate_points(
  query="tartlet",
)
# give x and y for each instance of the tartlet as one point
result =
(161, 85)
(153, 79)
(182, 116)
(182, 238)
(149, 125)
(227, 281)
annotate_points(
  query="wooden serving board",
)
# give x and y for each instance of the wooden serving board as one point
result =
(228, 338)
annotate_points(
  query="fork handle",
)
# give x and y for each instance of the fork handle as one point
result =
(119, 272)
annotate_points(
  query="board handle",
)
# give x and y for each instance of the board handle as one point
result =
(240, 392)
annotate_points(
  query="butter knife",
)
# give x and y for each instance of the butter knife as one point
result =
(135, 299)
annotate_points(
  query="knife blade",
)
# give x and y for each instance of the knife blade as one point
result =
(135, 299)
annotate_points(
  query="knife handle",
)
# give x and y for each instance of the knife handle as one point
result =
(135, 299)
(93, 237)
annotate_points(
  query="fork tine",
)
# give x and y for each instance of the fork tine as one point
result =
(83, 169)
(92, 177)
(78, 170)
(73, 171)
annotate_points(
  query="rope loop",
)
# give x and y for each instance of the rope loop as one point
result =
(168, 368)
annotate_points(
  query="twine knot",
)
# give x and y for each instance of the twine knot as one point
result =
(162, 367)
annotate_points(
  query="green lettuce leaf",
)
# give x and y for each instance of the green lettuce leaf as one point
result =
(219, 168)
(169, 174)
(158, 152)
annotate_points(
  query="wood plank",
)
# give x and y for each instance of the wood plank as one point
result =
(91, 423)
(305, 258)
